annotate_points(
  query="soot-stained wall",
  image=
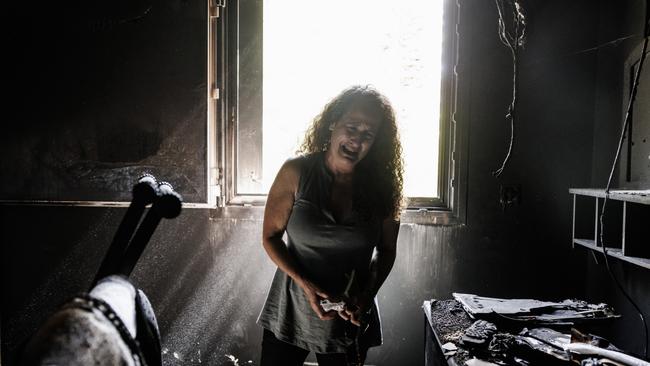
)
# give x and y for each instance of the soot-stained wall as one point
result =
(102, 92)
(207, 275)
(620, 20)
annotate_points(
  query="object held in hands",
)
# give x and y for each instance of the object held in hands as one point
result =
(339, 306)
(328, 305)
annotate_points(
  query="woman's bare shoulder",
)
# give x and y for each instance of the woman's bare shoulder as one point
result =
(288, 176)
(292, 167)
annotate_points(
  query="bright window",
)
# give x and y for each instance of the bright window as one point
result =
(314, 49)
(283, 60)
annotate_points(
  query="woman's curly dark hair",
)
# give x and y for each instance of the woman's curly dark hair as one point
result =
(379, 176)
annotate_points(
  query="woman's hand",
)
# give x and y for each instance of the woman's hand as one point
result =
(314, 295)
(380, 266)
(356, 307)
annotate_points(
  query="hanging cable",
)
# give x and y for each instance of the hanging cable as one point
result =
(626, 122)
(512, 33)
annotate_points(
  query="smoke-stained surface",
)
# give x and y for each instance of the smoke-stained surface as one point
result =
(207, 275)
(206, 278)
(106, 91)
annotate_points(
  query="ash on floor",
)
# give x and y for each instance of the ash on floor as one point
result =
(449, 319)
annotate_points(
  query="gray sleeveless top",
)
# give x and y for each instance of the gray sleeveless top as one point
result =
(330, 253)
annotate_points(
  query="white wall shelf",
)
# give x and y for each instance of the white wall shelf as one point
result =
(626, 227)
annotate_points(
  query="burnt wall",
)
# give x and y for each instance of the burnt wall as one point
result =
(102, 92)
(616, 21)
(207, 275)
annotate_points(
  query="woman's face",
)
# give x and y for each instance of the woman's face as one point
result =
(353, 135)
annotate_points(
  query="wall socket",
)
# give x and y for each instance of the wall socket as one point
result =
(509, 195)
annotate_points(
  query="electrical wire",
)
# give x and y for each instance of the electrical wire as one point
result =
(626, 122)
(513, 37)
(514, 40)
(612, 43)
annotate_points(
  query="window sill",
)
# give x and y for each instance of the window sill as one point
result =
(432, 216)
(437, 217)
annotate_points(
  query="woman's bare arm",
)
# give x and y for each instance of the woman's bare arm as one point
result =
(279, 204)
(384, 256)
(380, 266)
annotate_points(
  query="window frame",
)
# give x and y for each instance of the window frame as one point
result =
(446, 209)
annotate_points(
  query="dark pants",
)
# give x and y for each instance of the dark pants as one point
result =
(278, 353)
